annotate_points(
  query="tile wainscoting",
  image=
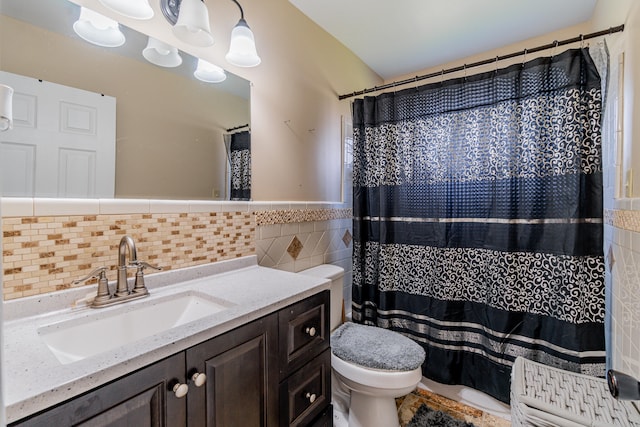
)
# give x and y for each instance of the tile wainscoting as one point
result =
(622, 254)
(296, 239)
(47, 243)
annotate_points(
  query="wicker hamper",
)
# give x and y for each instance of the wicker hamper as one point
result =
(545, 396)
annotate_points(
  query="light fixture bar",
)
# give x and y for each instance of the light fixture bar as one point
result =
(170, 10)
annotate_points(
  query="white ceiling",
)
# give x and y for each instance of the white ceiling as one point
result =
(396, 37)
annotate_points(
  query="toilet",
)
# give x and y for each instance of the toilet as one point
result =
(371, 366)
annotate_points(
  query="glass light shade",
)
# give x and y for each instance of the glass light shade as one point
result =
(136, 9)
(192, 25)
(161, 54)
(98, 29)
(207, 72)
(6, 107)
(242, 49)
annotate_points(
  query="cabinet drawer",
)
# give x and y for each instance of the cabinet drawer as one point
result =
(307, 392)
(325, 419)
(303, 332)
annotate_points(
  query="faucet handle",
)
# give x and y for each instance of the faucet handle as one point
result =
(141, 265)
(103, 295)
(139, 286)
(99, 273)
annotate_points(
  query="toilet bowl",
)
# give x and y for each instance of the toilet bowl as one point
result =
(376, 365)
(371, 366)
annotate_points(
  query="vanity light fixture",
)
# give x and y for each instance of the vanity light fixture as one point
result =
(6, 107)
(98, 29)
(242, 49)
(136, 9)
(192, 25)
(190, 19)
(161, 54)
(208, 72)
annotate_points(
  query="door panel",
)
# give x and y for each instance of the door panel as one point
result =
(71, 134)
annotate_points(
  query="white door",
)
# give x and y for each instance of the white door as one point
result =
(62, 143)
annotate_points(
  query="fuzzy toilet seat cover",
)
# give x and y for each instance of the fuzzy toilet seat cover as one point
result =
(376, 348)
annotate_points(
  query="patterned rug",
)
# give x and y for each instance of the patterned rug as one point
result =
(409, 405)
(427, 417)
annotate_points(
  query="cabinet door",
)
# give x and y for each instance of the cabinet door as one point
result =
(241, 369)
(141, 399)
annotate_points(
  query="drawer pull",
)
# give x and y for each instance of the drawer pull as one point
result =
(311, 397)
(198, 379)
(311, 331)
(180, 390)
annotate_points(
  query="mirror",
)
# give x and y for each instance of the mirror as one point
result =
(170, 127)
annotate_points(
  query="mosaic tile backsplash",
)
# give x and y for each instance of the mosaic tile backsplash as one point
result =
(46, 253)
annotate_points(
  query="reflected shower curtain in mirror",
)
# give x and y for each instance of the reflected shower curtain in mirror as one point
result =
(478, 220)
(239, 152)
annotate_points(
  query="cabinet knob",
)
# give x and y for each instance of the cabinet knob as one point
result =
(311, 397)
(180, 390)
(198, 378)
(311, 331)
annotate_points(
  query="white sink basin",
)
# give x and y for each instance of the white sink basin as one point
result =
(76, 339)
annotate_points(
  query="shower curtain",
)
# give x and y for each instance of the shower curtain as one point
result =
(478, 220)
(239, 152)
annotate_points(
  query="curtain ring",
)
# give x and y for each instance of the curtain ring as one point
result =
(581, 41)
(464, 67)
(497, 58)
(415, 80)
(441, 77)
(555, 46)
(524, 57)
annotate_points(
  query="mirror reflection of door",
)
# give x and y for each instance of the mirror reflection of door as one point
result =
(62, 144)
(169, 124)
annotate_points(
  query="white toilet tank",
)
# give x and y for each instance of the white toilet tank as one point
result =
(336, 275)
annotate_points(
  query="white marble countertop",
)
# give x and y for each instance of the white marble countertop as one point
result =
(34, 379)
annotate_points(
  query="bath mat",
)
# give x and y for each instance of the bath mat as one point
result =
(427, 417)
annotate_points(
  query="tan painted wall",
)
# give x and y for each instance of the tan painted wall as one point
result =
(295, 112)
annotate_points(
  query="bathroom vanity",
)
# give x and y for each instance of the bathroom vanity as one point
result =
(263, 359)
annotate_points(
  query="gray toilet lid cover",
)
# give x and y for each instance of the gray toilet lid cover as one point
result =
(376, 348)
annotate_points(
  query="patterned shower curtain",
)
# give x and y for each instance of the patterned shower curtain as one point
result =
(478, 220)
(240, 166)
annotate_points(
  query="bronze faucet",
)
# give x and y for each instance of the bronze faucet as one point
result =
(122, 293)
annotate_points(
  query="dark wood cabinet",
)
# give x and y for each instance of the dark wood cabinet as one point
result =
(241, 368)
(274, 371)
(304, 332)
(143, 398)
(305, 361)
(307, 392)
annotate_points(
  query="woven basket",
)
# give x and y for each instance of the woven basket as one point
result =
(544, 396)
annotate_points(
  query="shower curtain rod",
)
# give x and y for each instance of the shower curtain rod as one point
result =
(555, 43)
(237, 127)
